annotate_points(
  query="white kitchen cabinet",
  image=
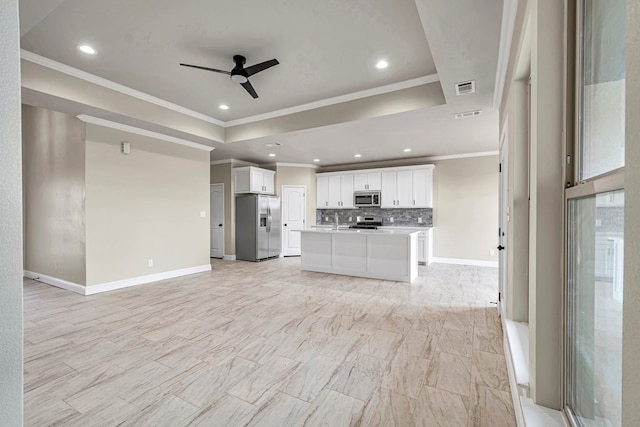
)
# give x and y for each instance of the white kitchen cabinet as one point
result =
(422, 188)
(396, 190)
(367, 181)
(322, 192)
(400, 187)
(409, 188)
(250, 179)
(425, 244)
(334, 191)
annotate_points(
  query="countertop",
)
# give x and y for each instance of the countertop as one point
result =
(380, 231)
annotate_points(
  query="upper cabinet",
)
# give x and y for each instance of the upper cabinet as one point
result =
(334, 191)
(367, 181)
(401, 187)
(250, 179)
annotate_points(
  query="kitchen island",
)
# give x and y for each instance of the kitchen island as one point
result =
(376, 254)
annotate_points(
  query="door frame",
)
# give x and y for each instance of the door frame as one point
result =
(503, 217)
(304, 207)
(224, 227)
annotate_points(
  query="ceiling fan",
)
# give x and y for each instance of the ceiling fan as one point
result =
(239, 74)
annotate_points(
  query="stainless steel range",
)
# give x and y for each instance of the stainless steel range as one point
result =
(368, 222)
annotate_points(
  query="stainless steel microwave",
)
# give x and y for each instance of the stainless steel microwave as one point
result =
(366, 198)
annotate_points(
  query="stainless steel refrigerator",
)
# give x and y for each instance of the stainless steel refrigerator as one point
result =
(258, 227)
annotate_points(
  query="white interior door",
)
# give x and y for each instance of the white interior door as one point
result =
(217, 220)
(293, 214)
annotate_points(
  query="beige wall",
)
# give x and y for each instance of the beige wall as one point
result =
(54, 189)
(290, 175)
(465, 208)
(223, 174)
(11, 213)
(143, 206)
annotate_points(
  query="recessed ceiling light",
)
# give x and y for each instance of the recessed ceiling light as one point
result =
(358, 155)
(406, 150)
(316, 160)
(271, 155)
(223, 107)
(86, 49)
(382, 64)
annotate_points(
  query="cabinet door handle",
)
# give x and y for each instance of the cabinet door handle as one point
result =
(414, 202)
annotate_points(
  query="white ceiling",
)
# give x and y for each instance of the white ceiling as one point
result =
(326, 49)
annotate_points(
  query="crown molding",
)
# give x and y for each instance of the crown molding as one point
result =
(464, 155)
(336, 100)
(143, 132)
(92, 78)
(291, 165)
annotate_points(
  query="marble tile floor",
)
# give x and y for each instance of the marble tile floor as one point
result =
(265, 344)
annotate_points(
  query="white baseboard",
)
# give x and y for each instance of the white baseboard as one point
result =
(229, 257)
(118, 284)
(460, 261)
(54, 281)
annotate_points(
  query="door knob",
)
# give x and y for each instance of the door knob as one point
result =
(219, 225)
(285, 225)
(500, 247)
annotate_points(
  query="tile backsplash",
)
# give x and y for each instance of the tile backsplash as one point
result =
(401, 217)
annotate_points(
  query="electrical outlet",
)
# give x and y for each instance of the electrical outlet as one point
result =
(326, 218)
(419, 220)
(150, 263)
(350, 219)
(492, 252)
(391, 219)
(203, 214)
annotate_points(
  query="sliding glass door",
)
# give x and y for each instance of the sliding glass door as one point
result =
(595, 221)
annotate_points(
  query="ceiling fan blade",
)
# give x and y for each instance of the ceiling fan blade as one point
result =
(249, 89)
(260, 67)
(207, 68)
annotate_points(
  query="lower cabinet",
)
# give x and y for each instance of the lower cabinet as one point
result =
(425, 246)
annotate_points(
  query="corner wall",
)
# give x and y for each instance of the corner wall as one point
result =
(11, 393)
(142, 206)
(465, 208)
(54, 194)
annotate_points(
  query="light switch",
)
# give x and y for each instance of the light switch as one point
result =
(391, 219)
(419, 220)
(150, 263)
(203, 214)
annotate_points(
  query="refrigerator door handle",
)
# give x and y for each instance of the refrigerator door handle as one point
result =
(268, 219)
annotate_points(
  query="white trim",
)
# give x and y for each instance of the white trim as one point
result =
(229, 257)
(384, 169)
(337, 99)
(54, 281)
(464, 156)
(118, 284)
(92, 78)
(144, 132)
(517, 404)
(509, 9)
(291, 165)
(460, 261)
(304, 215)
(141, 280)
(221, 162)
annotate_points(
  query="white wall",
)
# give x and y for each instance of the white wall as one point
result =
(145, 205)
(54, 194)
(11, 214)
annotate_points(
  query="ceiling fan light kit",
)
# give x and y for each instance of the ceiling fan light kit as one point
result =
(239, 74)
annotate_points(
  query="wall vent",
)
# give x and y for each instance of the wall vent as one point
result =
(467, 114)
(465, 88)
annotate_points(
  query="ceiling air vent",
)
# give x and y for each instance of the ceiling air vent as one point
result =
(467, 114)
(465, 88)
